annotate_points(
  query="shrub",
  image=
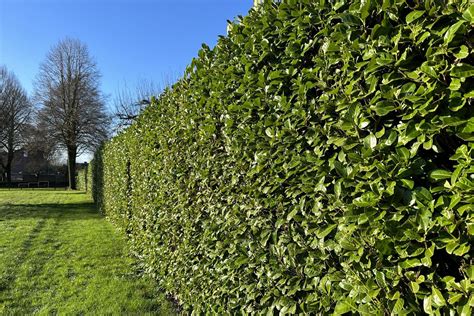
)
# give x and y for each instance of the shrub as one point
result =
(317, 160)
(84, 179)
(81, 179)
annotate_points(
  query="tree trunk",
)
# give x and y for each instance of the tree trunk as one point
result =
(11, 150)
(8, 170)
(71, 167)
(8, 167)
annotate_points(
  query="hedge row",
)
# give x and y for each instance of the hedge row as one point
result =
(319, 159)
(81, 179)
(84, 181)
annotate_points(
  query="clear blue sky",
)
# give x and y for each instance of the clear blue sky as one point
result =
(131, 40)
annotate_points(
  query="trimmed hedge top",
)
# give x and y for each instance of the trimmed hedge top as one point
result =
(319, 159)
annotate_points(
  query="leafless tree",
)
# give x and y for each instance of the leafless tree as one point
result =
(15, 110)
(129, 102)
(72, 106)
(39, 148)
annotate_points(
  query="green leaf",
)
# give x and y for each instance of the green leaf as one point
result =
(292, 309)
(437, 297)
(424, 194)
(462, 71)
(449, 35)
(470, 272)
(269, 132)
(412, 16)
(450, 247)
(463, 52)
(383, 108)
(398, 307)
(370, 141)
(408, 183)
(392, 137)
(455, 199)
(427, 305)
(429, 69)
(462, 249)
(292, 214)
(464, 208)
(366, 200)
(241, 261)
(408, 88)
(466, 310)
(469, 14)
(414, 287)
(470, 94)
(324, 231)
(440, 174)
(343, 306)
(403, 153)
(274, 75)
(410, 263)
(455, 297)
(455, 84)
(469, 128)
(329, 46)
(364, 9)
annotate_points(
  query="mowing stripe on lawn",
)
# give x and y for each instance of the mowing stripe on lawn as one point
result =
(58, 255)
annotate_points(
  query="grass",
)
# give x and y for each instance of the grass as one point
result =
(58, 255)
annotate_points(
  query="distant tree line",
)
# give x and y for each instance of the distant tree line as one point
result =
(15, 114)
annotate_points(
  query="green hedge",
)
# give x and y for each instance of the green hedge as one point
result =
(84, 181)
(319, 159)
(81, 179)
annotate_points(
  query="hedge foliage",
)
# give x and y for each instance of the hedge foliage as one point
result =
(319, 159)
(81, 179)
(84, 181)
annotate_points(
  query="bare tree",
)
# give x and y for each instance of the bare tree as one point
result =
(72, 106)
(15, 110)
(129, 102)
(39, 148)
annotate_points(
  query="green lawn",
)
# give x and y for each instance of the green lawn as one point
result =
(58, 255)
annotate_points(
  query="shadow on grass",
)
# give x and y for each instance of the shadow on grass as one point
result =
(41, 214)
(73, 211)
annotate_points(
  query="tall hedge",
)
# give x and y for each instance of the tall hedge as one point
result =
(84, 179)
(81, 179)
(318, 159)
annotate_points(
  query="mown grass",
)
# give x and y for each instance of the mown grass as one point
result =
(58, 255)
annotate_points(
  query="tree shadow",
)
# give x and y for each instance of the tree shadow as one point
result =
(66, 211)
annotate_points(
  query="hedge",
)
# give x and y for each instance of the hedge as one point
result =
(318, 159)
(84, 179)
(81, 180)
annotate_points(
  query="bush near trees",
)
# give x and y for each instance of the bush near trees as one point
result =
(317, 160)
(81, 180)
(84, 180)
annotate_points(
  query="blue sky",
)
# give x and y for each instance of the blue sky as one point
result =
(131, 40)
